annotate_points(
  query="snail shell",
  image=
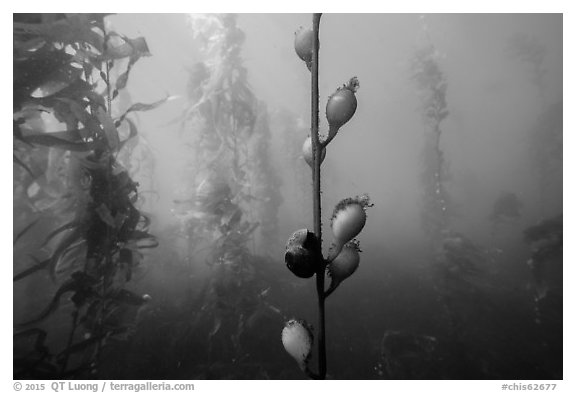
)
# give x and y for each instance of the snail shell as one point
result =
(301, 255)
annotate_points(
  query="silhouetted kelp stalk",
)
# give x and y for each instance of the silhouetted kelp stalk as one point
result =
(446, 246)
(432, 85)
(304, 248)
(101, 244)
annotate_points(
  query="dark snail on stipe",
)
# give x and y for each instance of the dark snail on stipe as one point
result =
(302, 253)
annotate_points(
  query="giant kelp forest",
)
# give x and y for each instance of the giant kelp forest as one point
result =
(108, 284)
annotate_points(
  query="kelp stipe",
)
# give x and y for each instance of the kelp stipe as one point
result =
(304, 248)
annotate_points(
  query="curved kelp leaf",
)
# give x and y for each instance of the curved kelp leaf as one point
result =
(140, 107)
(52, 262)
(62, 248)
(122, 80)
(65, 227)
(75, 135)
(132, 134)
(23, 231)
(36, 267)
(31, 45)
(136, 47)
(148, 243)
(53, 141)
(144, 221)
(32, 72)
(133, 48)
(78, 283)
(140, 235)
(142, 240)
(73, 258)
(79, 91)
(58, 81)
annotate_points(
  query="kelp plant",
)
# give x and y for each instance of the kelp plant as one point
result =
(230, 187)
(304, 248)
(62, 74)
(432, 86)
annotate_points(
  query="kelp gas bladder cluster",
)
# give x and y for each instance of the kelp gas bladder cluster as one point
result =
(303, 255)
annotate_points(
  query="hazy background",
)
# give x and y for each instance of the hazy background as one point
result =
(491, 99)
